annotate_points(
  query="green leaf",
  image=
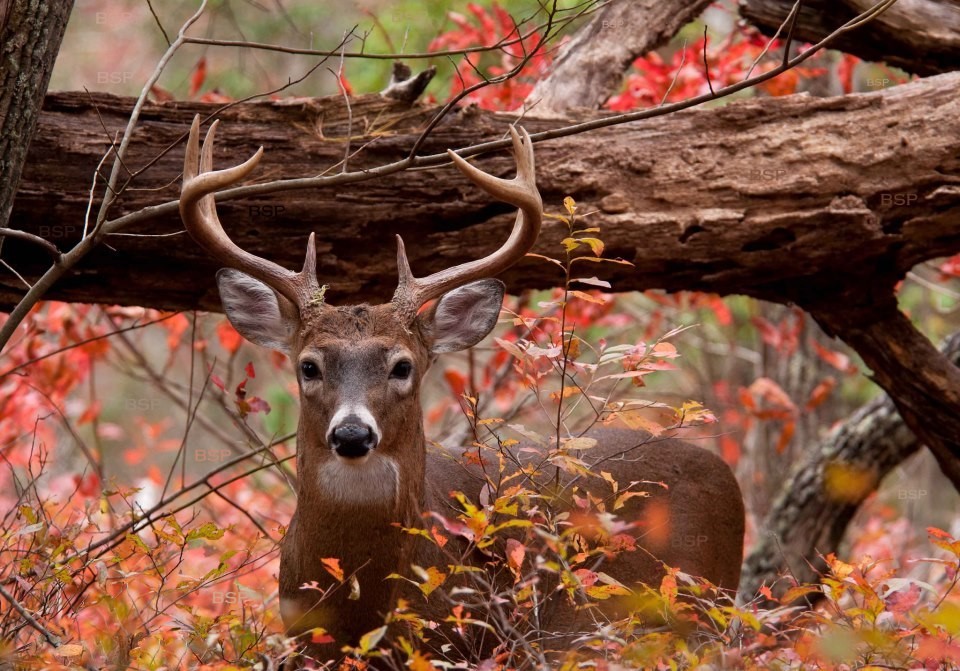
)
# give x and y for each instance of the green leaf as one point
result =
(208, 530)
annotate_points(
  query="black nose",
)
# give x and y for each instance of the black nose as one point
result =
(352, 438)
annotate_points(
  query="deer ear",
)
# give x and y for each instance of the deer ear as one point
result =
(463, 317)
(256, 311)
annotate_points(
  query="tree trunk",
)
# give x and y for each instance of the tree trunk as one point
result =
(30, 35)
(590, 67)
(822, 494)
(920, 36)
(778, 198)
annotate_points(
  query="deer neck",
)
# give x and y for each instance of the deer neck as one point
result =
(353, 512)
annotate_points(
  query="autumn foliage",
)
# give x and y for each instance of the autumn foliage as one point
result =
(147, 459)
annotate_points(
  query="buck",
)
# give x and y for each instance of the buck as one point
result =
(362, 462)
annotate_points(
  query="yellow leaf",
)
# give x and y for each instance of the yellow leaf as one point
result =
(570, 204)
(626, 496)
(580, 443)
(369, 640)
(70, 650)
(418, 662)
(601, 592)
(432, 578)
(635, 419)
(596, 245)
(570, 244)
(587, 297)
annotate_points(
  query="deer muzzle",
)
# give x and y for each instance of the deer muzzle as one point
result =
(352, 438)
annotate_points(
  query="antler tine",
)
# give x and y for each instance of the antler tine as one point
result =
(520, 191)
(199, 213)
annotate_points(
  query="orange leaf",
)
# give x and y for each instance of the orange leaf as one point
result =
(91, 413)
(838, 360)
(785, 436)
(229, 338)
(515, 554)
(821, 392)
(332, 566)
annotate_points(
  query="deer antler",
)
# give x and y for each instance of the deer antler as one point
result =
(199, 213)
(413, 292)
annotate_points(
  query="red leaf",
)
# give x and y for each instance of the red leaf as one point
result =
(217, 381)
(198, 76)
(904, 599)
(951, 267)
(87, 486)
(456, 380)
(249, 370)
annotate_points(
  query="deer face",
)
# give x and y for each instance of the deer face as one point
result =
(359, 368)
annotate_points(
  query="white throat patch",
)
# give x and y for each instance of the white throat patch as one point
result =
(374, 479)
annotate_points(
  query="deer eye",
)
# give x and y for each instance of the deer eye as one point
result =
(310, 371)
(401, 371)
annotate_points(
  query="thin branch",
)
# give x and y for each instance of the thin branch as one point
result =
(48, 246)
(159, 25)
(792, 20)
(500, 45)
(706, 64)
(15, 273)
(30, 619)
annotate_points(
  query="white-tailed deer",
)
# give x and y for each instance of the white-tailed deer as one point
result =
(362, 461)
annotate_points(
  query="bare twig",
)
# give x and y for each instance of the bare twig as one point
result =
(30, 619)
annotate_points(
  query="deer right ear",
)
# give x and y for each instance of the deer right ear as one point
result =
(256, 311)
(464, 316)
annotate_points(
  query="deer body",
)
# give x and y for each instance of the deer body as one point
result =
(697, 527)
(363, 466)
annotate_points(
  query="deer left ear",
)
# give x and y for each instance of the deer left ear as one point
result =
(462, 317)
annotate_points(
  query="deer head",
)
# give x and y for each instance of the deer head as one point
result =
(359, 368)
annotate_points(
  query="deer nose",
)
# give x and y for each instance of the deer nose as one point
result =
(352, 438)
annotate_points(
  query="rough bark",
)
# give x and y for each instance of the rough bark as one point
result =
(30, 35)
(920, 36)
(823, 493)
(924, 385)
(780, 199)
(590, 67)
